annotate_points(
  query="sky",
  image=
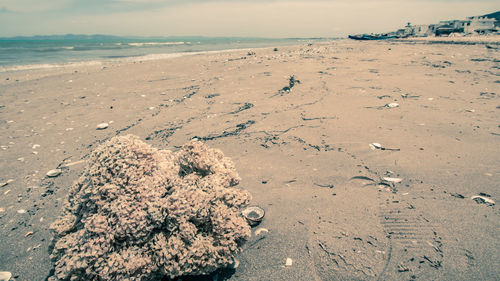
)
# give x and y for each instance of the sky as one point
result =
(245, 18)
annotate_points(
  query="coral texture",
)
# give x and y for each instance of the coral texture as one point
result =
(139, 213)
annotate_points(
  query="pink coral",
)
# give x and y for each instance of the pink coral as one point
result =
(139, 213)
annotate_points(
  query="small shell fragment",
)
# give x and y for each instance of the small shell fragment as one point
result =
(392, 105)
(21, 211)
(5, 276)
(288, 262)
(54, 173)
(394, 180)
(261, 231)
(375, 145)
(102, 126)
(483, 200)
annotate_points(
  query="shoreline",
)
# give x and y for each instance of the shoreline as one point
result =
(137, 58)
(304, 151)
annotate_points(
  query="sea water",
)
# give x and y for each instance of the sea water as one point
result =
(49, 51)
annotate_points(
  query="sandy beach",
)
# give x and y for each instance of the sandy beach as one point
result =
(297, 123)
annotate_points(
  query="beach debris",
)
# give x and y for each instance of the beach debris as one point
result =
(136, 207)
(5, 275)
(408, 96)
(402, 268)
(102, 126)
(54, 173)
(21, 211)
(253, 214)
(457, 195)
(291, 83)
(20, 159)
(393, 180)
(288, 262)
(481, 199)
(361, 178)
(376, 145)
(29, 233)
(2, 210)
(392, 105)
(261, 231)
(383, 96)
(35, 146)
(324, 185)
(74, 163)
(275, 49)
(2, 184)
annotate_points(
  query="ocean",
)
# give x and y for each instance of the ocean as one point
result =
(51, 51)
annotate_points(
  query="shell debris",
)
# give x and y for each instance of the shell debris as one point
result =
(54, 173)
(102, 126)
(288, 262)
(483, 200)
(394, 180)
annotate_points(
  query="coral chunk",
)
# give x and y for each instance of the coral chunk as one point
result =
(139, 213)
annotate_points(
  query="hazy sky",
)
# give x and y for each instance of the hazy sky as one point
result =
(265, 18)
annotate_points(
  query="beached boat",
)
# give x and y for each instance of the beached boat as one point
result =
(371, 37)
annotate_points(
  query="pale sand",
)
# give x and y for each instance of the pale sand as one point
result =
(288, 149)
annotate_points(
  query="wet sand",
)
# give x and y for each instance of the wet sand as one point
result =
(297, 147)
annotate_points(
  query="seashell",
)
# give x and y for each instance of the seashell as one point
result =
(394, 180)
(375, 145)
(253, 214)
(102, 126)
(392, 105)
(35, 146)
(261, 231)
(483, 200)
(54, 173)
(21, 211)
(5, 276)
(288, 262)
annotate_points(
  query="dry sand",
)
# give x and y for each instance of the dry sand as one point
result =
(296, 152)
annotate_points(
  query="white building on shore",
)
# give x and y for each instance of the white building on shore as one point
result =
(479, 25)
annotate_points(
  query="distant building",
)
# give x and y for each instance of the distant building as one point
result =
(420, 30)
(480, 25)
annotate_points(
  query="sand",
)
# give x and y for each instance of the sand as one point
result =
(296, 151)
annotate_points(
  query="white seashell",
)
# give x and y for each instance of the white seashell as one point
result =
(483, 199)
(392, 104)
(260, 231)
(21, 211)
(54, 173)
(288, 262)
(102, 126)
(375, 145)
(5, 276)
(395, 180)
(35, 146)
